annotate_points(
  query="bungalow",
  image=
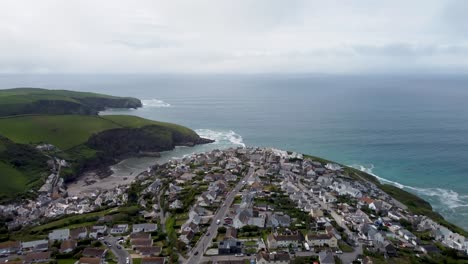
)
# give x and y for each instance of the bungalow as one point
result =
(153, 260)
(85, 260)
(140, 236)
(320, 240)
(94, 252)
(36, 257)
(9, 247)
(229, 246)
(141, 243)
(97, 231)
(264, 257)
(59, 235)
(119, 229)
(148, 251)
(68, 246)
(36, 245)
(78, 233)
(147, 227)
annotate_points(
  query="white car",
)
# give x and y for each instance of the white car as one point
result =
(239, 255)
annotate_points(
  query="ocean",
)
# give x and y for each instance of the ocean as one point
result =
(410, 131)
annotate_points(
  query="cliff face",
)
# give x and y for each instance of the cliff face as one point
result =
(117, 144)
(131, 141)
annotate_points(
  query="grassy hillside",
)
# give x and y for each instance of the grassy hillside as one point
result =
(87, 141)
(68, 131)
(22, 167)
(32, 101)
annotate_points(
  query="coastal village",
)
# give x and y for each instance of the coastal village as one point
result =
(240, 205)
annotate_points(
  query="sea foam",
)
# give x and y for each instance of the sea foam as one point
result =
(449, 198)
(154, 103)
(224, 137)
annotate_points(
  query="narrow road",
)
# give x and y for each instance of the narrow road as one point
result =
(118, 250)
(197, 252)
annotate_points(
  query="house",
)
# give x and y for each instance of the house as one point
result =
(229, 246)
(153, 260)
(407, 234)
(326, 257)
(148, 251)
(429, 249)
(140, 236)
(284, 241)
(9, 247)
(78, 233)
(119, 229)
(147, 227)
(277, 220)
(36, 245)
(316, 212)
(68, 246)
(59, 235)
(187, 236)
(320, 240)
(389, 249)
(97, 231)
(141, 243)
(94, 252)
(380, 206)
(36, 257)
(264, 257)
(231, 232)
(85, 260)
(177, 204)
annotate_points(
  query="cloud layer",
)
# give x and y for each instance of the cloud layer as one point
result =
(242, 36)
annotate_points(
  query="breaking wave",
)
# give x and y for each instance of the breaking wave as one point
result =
(154, 103)
(449, 198)
(225, 137)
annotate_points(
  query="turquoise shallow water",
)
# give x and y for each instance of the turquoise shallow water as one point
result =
(409, 130)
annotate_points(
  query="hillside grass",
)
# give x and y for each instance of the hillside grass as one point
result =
(62, 131)
(68, 131)
(13, 180)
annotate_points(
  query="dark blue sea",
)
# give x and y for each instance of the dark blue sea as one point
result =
(411, 131)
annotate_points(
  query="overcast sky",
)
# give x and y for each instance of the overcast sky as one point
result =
(237, 36)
